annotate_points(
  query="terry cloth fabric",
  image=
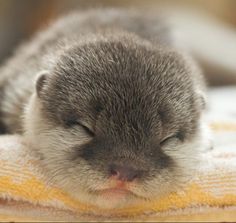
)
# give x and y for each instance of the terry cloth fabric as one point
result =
(25, 195)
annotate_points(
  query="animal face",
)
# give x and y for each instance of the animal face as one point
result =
(117, 120)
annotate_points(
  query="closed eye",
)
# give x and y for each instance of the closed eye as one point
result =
(168, 139)
(87, 130)
(72, 123)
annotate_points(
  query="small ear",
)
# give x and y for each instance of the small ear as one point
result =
(202, 100)
(41, 80)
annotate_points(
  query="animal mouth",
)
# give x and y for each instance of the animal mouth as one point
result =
(118, 190)
(115, 191)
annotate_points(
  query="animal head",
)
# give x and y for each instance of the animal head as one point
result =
(116, 121)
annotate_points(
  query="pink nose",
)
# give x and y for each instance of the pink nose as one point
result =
(124, 173)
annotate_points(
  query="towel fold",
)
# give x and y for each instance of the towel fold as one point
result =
(26, 195)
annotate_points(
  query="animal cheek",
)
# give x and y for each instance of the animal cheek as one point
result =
(160, 160)
(78, 152)
(87, 153)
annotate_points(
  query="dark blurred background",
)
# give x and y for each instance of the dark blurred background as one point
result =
(19, 19)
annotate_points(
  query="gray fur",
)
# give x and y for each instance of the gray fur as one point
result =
(112, 91)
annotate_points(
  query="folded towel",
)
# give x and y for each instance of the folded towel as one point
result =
(26, 195)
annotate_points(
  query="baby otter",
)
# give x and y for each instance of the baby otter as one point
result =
(115, 112)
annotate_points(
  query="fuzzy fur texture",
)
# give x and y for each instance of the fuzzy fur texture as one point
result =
(108, 91)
